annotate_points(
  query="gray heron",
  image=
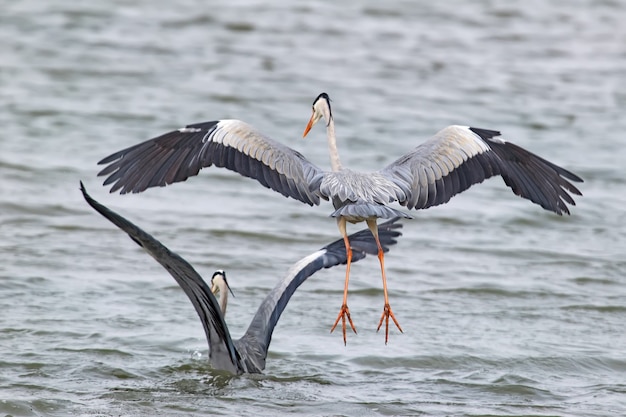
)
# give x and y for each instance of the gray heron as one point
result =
(247, 354)
(447, 164)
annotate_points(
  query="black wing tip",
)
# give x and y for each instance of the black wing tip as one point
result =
(107, 160)
(93, 203)
(86, 195)
(485, 134)
(560, 176)
(392, 224)
(572, 177)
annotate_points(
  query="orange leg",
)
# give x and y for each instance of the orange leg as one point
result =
(371, 223)
(344, 312)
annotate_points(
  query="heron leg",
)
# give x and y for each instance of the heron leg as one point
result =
(344, 312)
(371, 224)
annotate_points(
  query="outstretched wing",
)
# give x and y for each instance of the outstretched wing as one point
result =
(458, 157)
(231, 144)
(256, 340)
(222, 350)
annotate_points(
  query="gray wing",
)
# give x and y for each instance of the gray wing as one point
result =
(256, 340)
(222, 350)
(458, 157)
(232, 144)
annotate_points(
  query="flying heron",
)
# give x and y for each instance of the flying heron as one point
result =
(447, 164)
(247, 354)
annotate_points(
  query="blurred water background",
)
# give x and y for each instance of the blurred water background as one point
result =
(507, 309)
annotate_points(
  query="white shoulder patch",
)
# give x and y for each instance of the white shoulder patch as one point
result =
(470, 140)
(189, 130)
(226, 131)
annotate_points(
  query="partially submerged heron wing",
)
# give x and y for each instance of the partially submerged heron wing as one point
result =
(222, 350)
(256, 340)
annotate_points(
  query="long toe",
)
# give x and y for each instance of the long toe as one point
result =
(387, 313)
(344, 313)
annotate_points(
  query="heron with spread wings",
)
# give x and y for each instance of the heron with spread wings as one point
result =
(447, 164)
(247, 354)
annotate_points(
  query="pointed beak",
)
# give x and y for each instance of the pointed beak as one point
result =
(309, 126)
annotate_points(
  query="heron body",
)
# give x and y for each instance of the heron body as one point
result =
(448, 163)
(247, 354)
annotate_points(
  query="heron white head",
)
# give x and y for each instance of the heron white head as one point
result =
(321, 108)
(220, 284)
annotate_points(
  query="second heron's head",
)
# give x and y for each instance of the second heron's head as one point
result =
(220, 284)
(321, 108)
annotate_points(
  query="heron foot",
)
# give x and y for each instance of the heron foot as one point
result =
(385, 316)
(343, 314)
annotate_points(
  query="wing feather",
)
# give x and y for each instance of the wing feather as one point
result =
(254, 344)
(223, 352)
(458, 157)
(231, 144)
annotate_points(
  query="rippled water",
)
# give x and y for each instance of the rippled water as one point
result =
(507, 309)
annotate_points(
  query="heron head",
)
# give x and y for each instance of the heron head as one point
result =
(321, 108)
(219, 282)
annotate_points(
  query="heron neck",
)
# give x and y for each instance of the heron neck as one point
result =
(223, 301)
(335, 164)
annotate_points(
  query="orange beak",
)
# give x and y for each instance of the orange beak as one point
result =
(308, 127)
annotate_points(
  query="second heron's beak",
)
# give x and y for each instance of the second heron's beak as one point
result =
(309, 125)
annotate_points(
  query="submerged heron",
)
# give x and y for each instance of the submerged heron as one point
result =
(247, 354)
(447, 164)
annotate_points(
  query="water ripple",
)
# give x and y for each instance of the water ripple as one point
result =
(506, 310)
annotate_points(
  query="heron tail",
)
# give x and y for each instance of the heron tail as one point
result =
(356, 212)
